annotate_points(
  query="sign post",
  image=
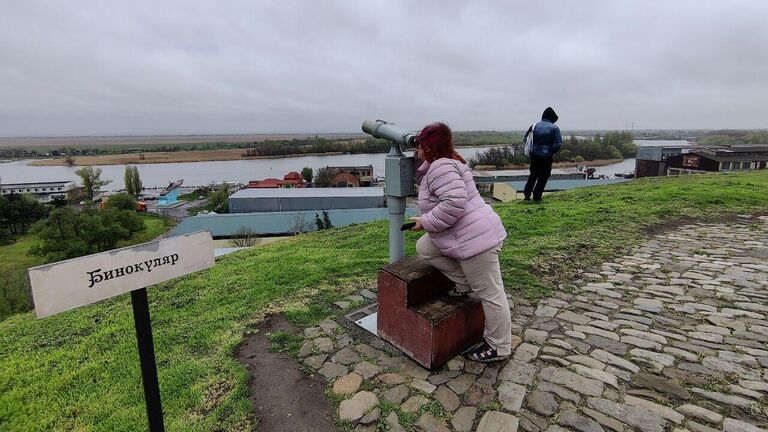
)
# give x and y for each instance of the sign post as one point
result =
(147, 359)
(104, 275)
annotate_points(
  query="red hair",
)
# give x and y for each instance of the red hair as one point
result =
(436, 141)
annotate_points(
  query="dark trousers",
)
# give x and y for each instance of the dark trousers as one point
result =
(541, 169)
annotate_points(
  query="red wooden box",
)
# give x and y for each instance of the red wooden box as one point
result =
(418, 316)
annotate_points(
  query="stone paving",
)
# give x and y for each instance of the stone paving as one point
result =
(672, 337)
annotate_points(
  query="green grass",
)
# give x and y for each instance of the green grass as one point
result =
(16, 252)
(79, 370)
(192, 196)
(15, 260)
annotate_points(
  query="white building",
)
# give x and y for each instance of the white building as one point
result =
(43, 191)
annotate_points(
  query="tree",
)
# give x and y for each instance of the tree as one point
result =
(92, 181)
(307, 174)
(19, 212)
(132, 180)
(324, 177)
(128, 220)
(244, 237)
(121, 201)
(68, 233)
(318, 222)
(220, 200)
(298, 224)
(326, 220)
(59, 201)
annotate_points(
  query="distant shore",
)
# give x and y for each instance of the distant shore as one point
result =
(183, 156)
(165, 157)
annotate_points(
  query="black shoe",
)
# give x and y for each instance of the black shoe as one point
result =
(485, 354)
(454, 292)
(527, 198)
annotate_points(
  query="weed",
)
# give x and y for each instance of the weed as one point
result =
(493, 405)
(282, 341)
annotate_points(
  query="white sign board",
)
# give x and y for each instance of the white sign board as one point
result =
(80, 281)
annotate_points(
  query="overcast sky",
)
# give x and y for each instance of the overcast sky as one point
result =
(194, 67)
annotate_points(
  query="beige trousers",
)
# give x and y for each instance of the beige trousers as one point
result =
(482, 275)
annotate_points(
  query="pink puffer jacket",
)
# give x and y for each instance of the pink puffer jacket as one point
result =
(454, 214)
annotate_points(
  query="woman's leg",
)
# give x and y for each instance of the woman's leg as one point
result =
(448, 266)
(483, 273)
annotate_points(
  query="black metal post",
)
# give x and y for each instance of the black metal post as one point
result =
(147, 359)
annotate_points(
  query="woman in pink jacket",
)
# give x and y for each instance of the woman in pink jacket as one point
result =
(464, 236)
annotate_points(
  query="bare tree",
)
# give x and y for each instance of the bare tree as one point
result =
(244, 237)
(298, 224)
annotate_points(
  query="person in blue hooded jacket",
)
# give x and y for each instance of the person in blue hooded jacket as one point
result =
(546, 142)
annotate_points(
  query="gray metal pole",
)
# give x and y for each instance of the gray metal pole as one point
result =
(395, 204)
(398, 172)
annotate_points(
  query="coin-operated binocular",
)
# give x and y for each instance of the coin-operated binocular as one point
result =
(399, 173)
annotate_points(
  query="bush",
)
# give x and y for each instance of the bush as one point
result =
(244, 237)
(121, 201)
(498, 157)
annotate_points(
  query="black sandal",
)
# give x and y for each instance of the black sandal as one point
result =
(453, 292)
(485, 354)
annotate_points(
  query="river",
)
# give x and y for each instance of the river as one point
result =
(240, 171)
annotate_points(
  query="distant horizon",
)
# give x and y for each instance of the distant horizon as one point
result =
(147, 135)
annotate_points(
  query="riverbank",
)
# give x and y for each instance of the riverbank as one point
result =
(183, 156)
(165, 157)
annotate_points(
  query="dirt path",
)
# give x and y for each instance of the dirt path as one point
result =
(284, 398)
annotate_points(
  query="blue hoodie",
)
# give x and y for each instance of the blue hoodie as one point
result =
(546, 135)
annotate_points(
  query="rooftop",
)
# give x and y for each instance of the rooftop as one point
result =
(558, 185)
(521, 171)
(735, 153)
(309, 192)
(46, 183)
(351, 167)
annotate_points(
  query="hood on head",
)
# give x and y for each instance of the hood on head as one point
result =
(549, 114)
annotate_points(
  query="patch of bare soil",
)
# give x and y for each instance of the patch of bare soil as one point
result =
(284, 398)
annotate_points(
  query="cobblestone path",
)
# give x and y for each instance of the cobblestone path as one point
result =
(672, 337)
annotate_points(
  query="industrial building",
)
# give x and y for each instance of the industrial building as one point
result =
(651, 161)
(301, 199)
(42, 191)
(510, 191)
(713, 159)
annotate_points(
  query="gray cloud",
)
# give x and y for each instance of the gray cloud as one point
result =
(147, 67)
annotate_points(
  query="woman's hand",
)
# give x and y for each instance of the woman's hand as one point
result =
(418, 226)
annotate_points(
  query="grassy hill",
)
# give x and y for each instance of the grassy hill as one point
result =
(79, 370)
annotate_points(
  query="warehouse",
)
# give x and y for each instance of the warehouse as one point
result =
(510, 191)
(301, 199)
(277, 223)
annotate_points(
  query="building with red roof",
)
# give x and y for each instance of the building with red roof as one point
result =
(291, 180)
